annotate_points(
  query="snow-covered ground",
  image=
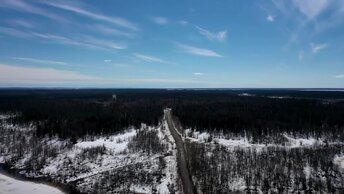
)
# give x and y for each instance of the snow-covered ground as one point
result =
(4, 116)
(339, 160)
(246, 94)
(244, 142)
(171, 160)
(116, 143)
(93, 160)
(240, 164)
(10, 185)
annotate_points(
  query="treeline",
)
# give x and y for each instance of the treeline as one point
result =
(261, 116)
(75, 113)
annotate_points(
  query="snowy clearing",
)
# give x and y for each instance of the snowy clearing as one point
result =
(116, 143)
(243, 142)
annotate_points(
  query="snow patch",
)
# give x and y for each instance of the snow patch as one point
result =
(237, 184)
(279, 97)
(339, 160)
(4, 116)
(246, 94)
(10, 185)
(307, 170)
(116, 143)
(302, 142)
(243, 142)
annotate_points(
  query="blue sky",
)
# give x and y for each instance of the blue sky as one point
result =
(172, 44)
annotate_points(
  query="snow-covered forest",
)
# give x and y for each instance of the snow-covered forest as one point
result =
(135, 160)
(253, 141)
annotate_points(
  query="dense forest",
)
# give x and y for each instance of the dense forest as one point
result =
(274, 169)
(75, 113)
(260, 116)
(78, 112)
(269, 141)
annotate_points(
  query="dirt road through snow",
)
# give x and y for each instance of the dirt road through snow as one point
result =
(188, 186)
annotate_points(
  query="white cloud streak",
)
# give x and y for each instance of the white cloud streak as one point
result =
(198, 51)
(84, 42)
(183, 22)
(341, 76)
(22, 6)
(21, 76)
(110, 31)
(21, 23)
(14, 33)
(317, 47)
(198, 74)
(12, 74)
(103, 43)
(114, 20)
(149, 58)
(219, 36)
(160, 20)
(43, 61)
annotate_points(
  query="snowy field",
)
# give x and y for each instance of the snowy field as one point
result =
(9, 185)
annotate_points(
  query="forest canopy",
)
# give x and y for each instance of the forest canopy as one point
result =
(78, 112)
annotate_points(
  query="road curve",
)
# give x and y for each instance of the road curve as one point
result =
(188, 186)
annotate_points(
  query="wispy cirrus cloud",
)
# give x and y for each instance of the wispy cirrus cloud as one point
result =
(149, 58)
(198, 74)
(26, 7)
(82, 41)
(15, 75)
(219, 36)
(110, 31)
(14, 32)
(301, 55)
(309, 17)
(21, 23)
(183, 22)
(160, 20)
(103, 43)
(198, 51)
(43, 61)
(77, 10)
(341, 76)
(317, 47)
(311, 8)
